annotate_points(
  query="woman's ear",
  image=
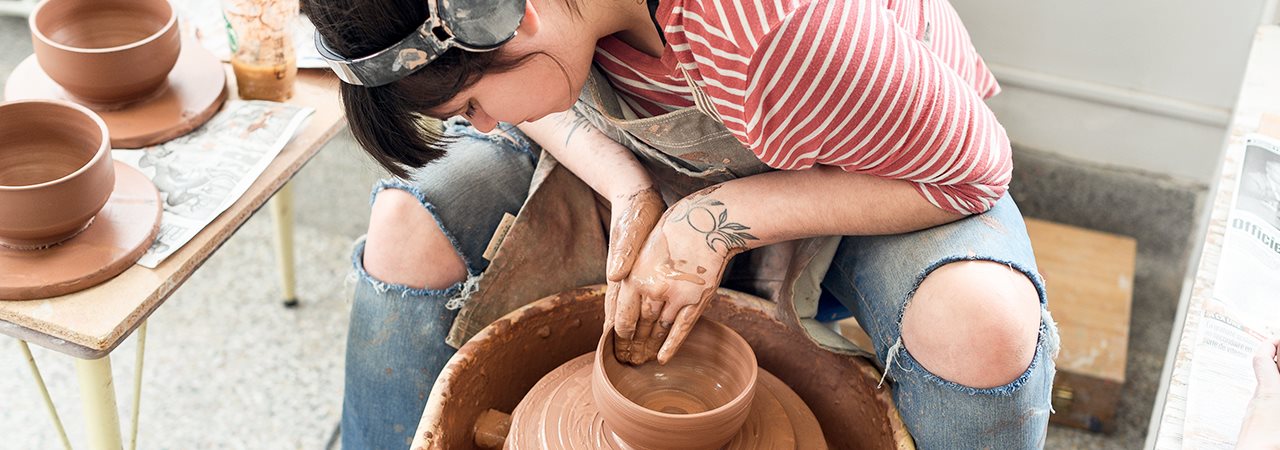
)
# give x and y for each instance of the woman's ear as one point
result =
(531, 22)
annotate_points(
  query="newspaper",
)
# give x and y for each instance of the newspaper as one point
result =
(1245, 309)
(203, 173)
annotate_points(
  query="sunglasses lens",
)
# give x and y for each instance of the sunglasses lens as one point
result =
(482, 24)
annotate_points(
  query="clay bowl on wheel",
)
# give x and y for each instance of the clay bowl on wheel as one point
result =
(106, 52)
(56, 171)
(698, 400)
(497, 368)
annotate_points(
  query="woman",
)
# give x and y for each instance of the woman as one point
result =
(758, 122)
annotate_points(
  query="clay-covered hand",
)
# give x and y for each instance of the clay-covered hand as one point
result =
(633, 216)
(674, 278)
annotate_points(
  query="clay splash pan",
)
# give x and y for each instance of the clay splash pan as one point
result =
(126, 60)
(70, 216)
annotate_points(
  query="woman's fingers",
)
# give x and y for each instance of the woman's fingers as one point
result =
(627, 311)
(642, 349)
(1266, 368)
(679, 331)
(610, 303)
(622, 349)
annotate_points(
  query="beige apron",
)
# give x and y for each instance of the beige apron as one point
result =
(559, 239)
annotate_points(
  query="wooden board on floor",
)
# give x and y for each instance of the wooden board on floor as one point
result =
(1089, 280)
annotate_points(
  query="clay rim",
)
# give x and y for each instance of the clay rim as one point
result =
(31, 23)
(741, 397)
(104, 143)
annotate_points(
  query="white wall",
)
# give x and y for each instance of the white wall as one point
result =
(1145, 84)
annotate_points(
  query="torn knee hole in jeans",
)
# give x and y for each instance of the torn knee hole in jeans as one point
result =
(1046, 341)
(455, 295)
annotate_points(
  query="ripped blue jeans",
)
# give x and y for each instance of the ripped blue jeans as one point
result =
(875, 276)
(395, 343)
(395, 346)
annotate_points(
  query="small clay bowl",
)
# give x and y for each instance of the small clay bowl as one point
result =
(698, 400)
(56, 171)
(106, 52)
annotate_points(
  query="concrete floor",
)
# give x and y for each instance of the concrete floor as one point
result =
(227, 367)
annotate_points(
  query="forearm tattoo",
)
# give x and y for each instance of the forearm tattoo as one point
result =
(710, 217)
(574, 122)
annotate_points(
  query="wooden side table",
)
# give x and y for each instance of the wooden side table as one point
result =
(89, 324)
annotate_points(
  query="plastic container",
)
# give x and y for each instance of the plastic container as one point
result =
(262, 53)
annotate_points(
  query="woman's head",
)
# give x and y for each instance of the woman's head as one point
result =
(536, 73)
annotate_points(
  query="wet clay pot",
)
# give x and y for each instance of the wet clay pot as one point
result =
(499, 366)
(698, 400)
(106, 52)
(56, 171)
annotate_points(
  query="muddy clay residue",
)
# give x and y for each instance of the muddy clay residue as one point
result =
(627, 234)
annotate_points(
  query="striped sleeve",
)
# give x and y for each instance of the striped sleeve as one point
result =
(838, 82)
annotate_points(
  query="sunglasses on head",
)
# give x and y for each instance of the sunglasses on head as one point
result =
(471, 25)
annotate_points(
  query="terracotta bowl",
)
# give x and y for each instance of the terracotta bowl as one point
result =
(106, 52)
(56, 171)
(698, 400)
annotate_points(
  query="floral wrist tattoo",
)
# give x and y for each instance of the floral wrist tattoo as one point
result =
(710, 217)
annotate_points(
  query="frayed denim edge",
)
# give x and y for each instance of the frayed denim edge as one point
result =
(422, 198)
(383, 287)
(456, 293)
(909, 364)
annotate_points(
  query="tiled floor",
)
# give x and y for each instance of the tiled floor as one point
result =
(227, 367)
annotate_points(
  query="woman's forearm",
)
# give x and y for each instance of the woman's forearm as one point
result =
(824, 201)
(608, 167)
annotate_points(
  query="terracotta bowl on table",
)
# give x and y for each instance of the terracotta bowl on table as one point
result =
(106, 52)
(56, 171)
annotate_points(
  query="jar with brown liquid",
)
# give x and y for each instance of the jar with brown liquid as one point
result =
(262, 54)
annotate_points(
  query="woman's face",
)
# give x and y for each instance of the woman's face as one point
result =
(537, 87)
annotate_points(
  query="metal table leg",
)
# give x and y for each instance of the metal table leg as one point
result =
(44, 391)
(98, 395)
(282, 215)
(137, 384)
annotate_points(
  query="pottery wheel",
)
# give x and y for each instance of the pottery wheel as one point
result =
(195, 90)
(119, 235)
(559, 413)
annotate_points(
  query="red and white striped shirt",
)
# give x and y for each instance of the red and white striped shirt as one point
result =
(892, 88)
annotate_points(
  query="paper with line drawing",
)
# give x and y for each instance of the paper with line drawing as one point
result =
(203, 173)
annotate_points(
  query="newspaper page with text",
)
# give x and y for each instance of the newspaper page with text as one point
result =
(1245, 310)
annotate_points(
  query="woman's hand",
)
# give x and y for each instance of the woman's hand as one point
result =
(674, 277)
(633, 216)
(1259, 430)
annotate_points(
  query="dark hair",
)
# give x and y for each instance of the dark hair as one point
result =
(390, 122)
